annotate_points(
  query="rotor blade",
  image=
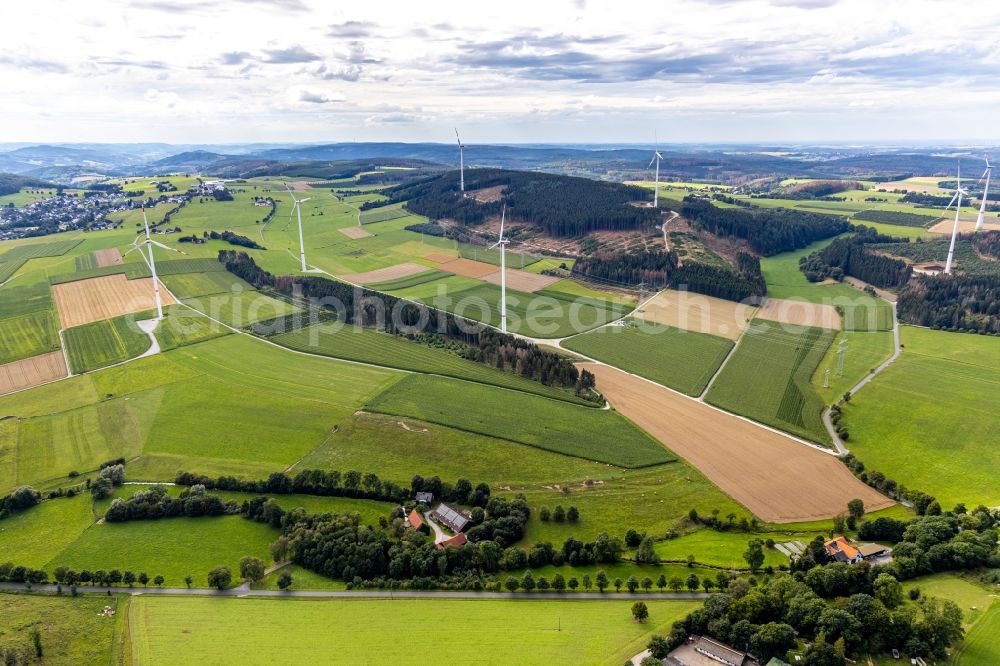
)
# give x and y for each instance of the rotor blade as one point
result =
(304, 200)
(953, 199)
(493, 246)
(165, 247)
(459, 138)
(290, 193)
(651, 161)
(659, 155)
(983, 177)
(134, 248)
(503, 217)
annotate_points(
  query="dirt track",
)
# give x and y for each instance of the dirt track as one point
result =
(385, 274)
(32, 371)
(800, 313)
(778, 479)
(695, 312)
(84, 301)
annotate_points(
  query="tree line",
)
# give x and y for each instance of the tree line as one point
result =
(958, 302)
(154, 503)
(559, 205)
(768, 231)
(658, 269)
(228, 236)
(365, 307)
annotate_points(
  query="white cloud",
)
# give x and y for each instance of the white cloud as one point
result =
(700, 70)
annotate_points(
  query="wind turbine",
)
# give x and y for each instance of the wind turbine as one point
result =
(149, 243)
(461, 161)
(656, 183)
(986, 193)
(503, 271)
(297, 204)
(957, 200)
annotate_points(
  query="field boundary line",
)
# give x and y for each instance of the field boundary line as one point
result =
(729, 355)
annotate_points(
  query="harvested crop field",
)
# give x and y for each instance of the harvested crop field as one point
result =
(698, 313)
(385, 274)
(85, 301)
(468, 268)
(354, 232)
(439, 257)
(522, 280)
(108, 257)
(777, 478)
(800, 313)
(965, 226)
(32, 371)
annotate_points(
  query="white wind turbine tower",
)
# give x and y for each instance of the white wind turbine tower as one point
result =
(656, 182)
(149, 243)
(503, 271)
(957, 200)
(986, 193)
(461, 161)
(297, 203)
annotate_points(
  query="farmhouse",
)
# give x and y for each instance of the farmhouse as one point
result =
(873, 551)
(452, 518)
(703, 651)
(415, 520)
(425, 498)
(840, 551)
(454, 542)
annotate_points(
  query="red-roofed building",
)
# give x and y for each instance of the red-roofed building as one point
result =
(454, 542)
(841, 551)
(415, 519)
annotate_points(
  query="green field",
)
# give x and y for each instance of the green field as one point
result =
(102, 343)
(725, 549)
(183, 326)
(767, 378)
(939, 405)
(35, 536)
(584, 432)
(240, 309)
(382, 214)
(20, 298)
(182, 631)
(171, 547)
(73, 631)
(27, 335)
(980, 647)
(865, 350)
(16, 256)
(169, 409)
(680, 359)
(370, 346)
(409, 281)
(190, 285)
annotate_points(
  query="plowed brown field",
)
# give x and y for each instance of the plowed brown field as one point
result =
(84, 301)
(800, 313)
(108, 257)
(32, 371)
(778, 479)
(522, 280)
(354, 232)
(468, 268)
(698, 313)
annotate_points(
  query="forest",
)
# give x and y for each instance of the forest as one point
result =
(559, 205)
(371, 308)
(961, 303)
(659, 269)
(768, 231)
(849, 256)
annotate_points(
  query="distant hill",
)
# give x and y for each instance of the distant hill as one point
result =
(11, 183)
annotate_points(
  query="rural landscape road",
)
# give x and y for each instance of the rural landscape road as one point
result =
(896, 350)
(242, 591)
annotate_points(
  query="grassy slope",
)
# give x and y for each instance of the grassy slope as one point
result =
(673, 357)
(102, 343)
(594, 434)
(178, 630)
(767, 378)
(72, 629)
(35, 536)
(240, 309)
(938, 405)
(865, 350)
(370, 346)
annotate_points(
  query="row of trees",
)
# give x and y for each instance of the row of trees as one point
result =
(21, 498)
(921, 501)
(559, 205)
(359, 306)
(658, 269)
(344, 484)
(228, 236)
(154, 503)
(768, 231)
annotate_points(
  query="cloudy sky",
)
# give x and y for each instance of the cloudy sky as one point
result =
(185, 71)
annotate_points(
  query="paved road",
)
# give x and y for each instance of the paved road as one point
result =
(242, 591)
(896, 350)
